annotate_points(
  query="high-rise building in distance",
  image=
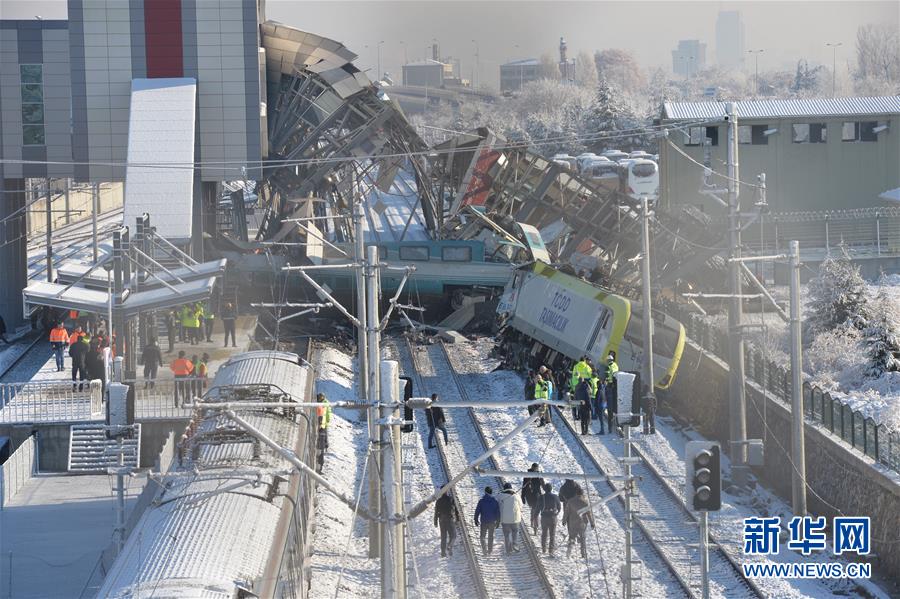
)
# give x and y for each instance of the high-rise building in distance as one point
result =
(729, 39)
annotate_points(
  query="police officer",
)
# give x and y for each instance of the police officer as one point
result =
(542, 391)
(612, 400)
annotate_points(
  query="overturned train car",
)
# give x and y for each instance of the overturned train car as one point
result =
(552, 317)
(230, 519)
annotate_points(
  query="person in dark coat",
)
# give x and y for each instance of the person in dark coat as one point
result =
(171, 327)
(488, 511)
(229, 317)
(3, 330)
(577, 516)
(436, 420)
(93, 362)
(152, 359)
(568, 490)
(583, 399)
(529, 391)
(445, 515)
(531, 494)
(78, 352)
(550, 508)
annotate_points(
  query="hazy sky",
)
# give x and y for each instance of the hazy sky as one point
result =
(786, 30)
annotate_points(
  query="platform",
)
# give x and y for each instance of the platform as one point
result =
(53, 532)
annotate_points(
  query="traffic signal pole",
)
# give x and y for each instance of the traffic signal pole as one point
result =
(704, 553)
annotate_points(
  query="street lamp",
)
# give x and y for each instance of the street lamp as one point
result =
(834, 47)
(475, 76)
(756, 54)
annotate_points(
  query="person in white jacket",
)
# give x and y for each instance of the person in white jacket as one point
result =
(510, 517)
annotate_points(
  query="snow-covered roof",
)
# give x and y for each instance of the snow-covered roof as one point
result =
(760, 109)
(425, 63)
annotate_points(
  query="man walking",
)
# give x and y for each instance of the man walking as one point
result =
(568, 490)
(510, 517)
(612, 400)
(583, 399)
(577, 516)
(323, 417)
(531, 493)
(78, 352)
(488, 510)
(445, 515)
(208, 320)
(152, 359)
(550, 508)
(529, 391)
(436, 420)
(228, 319)
(59, 342)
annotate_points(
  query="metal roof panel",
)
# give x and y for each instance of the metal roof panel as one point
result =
(801, 108)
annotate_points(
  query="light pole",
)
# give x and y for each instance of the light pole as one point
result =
(755, 54)
(378, 74)
(834, 47)
(475, 77)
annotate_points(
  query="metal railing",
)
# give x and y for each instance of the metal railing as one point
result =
(50, 401)
(18, 470)
(862, 433)
(158, 402)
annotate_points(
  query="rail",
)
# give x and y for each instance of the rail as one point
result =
(30, 345)
(820, 407)
(474, 567)
(50, 401)
(538, 567)
(18, 470)
(675, 543)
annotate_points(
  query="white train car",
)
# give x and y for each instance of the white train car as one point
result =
(231, 518)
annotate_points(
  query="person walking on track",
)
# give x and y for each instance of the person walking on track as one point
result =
(152, 359)
(583, 399)
(445, 515)
(510, 517)
(488, 511)
(78, 352)
(577, 516)
(531, 493)
(229, 316)
(550, 508)
(436, 420)
(59, 343)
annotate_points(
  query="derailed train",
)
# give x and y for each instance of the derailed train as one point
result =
(553, 317)
(231, 518)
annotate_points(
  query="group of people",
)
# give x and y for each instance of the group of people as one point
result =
(86, 352)
(195, 322)
(505, 512)
(190, 375)
(595, 393)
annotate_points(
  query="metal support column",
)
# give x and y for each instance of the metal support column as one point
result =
(737, 401)
(374, 353)
(393, 556)
(704, 553)
(49, 233)
(359, 254)
(649, 395)
(95, 209)
(798, 456)
(628, 573)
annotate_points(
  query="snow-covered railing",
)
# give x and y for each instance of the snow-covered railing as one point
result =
(158, 402)
(18, 470)
(50, 401)
(861, 432)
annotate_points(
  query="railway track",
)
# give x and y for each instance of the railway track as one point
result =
(30, 344)
(669, 527)
(517, 575)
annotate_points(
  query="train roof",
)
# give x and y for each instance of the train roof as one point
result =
(281, 370)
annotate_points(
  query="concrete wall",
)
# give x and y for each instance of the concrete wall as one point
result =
(844, 479)
(799, 176)
(154, 434)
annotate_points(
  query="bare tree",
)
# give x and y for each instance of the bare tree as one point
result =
(878, 53)
(549, 68)
(620, 69)
(585, 70)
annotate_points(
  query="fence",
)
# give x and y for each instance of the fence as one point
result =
(159, 401)
(819, 406)
(50, 401)
(18, 470)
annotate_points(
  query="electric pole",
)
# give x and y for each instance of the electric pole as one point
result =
(95, 209)
(359, 251)
(49, 233)
(737, 400)
(649, 394)
(798, 479)
(373, 338)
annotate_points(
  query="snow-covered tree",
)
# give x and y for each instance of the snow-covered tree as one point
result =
(585, 70)
(837, 297)
(881, 338)
(806, 79)
(549, 68)
(620, 69)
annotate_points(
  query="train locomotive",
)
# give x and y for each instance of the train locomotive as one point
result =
(551, 317)
(230, 518)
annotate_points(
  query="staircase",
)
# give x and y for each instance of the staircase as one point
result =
(90, 450)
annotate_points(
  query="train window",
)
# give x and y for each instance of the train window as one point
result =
(809, 133)
(414, 252)
(456, 254)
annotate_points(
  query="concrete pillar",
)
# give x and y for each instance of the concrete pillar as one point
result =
(13, 251)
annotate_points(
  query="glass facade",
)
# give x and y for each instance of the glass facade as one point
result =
(32, 87)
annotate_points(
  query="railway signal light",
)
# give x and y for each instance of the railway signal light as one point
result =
(703, 476)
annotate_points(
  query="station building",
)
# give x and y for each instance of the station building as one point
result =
(818, 154)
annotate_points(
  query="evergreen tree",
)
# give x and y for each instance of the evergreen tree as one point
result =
(881, 340)
(837, 297)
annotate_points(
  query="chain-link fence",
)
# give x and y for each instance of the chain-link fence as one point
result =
(860, 432)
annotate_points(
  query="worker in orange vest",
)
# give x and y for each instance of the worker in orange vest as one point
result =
(183, 369)
(59, 342)
(76, 335)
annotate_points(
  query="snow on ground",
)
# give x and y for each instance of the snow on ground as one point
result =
(542, 445)
(836, 362)
(340, 563)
